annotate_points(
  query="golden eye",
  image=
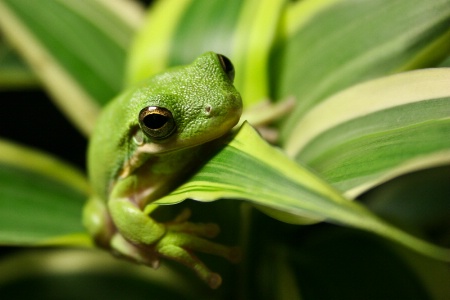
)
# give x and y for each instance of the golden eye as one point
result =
(156, 122)
(227, 66)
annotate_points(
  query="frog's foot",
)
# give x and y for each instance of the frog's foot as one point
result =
(183, 238)
(179, 246)
(178, 240)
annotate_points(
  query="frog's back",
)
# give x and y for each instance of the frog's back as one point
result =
(107, 148)
(111, 142)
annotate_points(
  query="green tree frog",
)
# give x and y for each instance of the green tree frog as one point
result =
(144, 141)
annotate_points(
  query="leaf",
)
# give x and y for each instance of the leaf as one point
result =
(417, 200)
(75, 273)
(13, 71)
(255, 34)
(41, 199)
(378, 130)
(445, 63)
(250, 169)
(176, 32)
(76, 48)
(333, 49)
(329, 262)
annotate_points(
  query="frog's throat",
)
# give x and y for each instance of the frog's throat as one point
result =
(147, 153)
(142, 152)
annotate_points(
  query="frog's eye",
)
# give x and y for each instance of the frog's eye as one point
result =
(156, 122)
(227, 66)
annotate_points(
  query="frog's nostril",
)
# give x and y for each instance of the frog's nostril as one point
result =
(208, 109)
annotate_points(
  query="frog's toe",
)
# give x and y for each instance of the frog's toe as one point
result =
(180, 246)
(183, 216)
(188, 259)
(195, 243)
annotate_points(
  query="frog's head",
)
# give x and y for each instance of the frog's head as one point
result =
(189, 105)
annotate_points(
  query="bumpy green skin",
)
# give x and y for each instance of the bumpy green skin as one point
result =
(127, 176)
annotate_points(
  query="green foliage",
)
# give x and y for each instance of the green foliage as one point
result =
(371, 124)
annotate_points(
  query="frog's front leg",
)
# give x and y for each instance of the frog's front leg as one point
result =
(144, 240)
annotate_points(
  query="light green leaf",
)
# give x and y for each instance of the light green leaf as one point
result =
(176, 32)
(346, 42)
(76, 48)
(250, 169)
(41, 199)
(378, 130)
(255, 34)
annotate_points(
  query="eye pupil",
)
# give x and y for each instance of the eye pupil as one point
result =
(154, 121)
(227, 66)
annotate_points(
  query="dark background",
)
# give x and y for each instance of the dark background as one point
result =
(29, 117)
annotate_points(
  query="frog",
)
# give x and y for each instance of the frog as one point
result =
(144, 142)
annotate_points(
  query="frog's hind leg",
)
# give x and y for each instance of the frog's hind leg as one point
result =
(179, 246)
(97, 221)
(144, 240)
